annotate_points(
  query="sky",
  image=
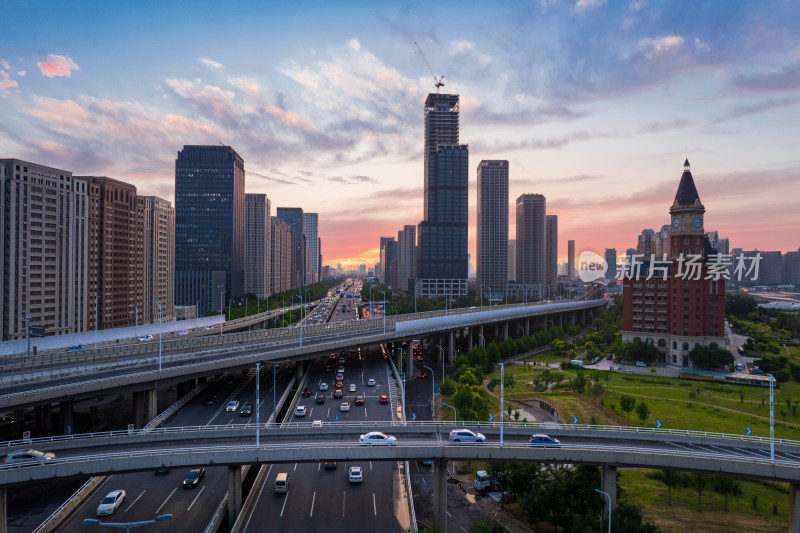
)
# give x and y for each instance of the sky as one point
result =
(594, 103)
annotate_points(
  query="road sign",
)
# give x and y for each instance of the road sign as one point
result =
(413, 416)
(36, 331)
(491, 417)
(130, 428)
(748, 431)
(436, 388)
(658, 423)
(26, 435)
(574, 419)
(337, 417)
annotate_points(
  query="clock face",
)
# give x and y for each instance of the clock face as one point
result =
(698, 222)
(676, 223)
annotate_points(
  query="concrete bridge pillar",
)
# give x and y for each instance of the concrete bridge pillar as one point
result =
(66, 414)
(410, 357)
(610, 488)
(440, 494)
(184, 387)
(481, 338)
(505, 330)
(3, 523)
(234, 493)
(300, 370)
(794, 508)
(451, 348)
(469, 339)
(144, 407)
(527, 327)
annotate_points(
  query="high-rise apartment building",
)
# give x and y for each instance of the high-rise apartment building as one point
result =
(406, 251)
(531, 243)
(385, 257)
(116, 254)
(209, 227)
(44, 233)
(611, 262)
(724, 246)
(492, 237)
(293, 216)
(159, 259)
(442, 235)
(571, 273)
(512, 260)
(257, 259)
(551, 255)
(311, 229)
(282, 255)
(676, 309)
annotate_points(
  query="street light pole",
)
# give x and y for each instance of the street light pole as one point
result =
(483, 340)
(160, 328)
(609, 507)
(502, 379)
(771, 420)
(433, 395)
(442, 349)
(96, 304)
(455, 419)
(384, 311)
(222, 310)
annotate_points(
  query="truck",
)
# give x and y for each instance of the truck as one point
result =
(482, 481)
(576, 362)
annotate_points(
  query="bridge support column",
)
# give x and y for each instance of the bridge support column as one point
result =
(469, 339)
(440, 494)
(794, 508)
(410, 357)
(66, 412)
(144, 407)
(610, 488)
(505, 330)
(451, 348)
(184, 387)
(481, 337)
(234, 493)
(527, 327)
(300, 370)
(3, 523)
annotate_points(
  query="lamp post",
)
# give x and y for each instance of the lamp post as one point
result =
(771, 421)
(609, 507)
(403, 396)
(160, 329)
(502, 379)
(521, 328)
(127, 526)
(433, 395)
(96, 305)
(258, 399)
(455, 419)
(370, 302)
(384, 311)
(483, 340)
(222, 310)
(274, 399)
(301, 315)
(442, 349)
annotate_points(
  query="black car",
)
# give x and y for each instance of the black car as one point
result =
(246, 410)
(320, 398)
(330, 465)
(194, 477)
(162, 471)
(306, 392)
(359, 400)
(209, 400)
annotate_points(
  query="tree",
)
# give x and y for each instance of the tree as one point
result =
(705, 357)
(670, 478)
(700, 482)
(627, 403)
(643, 411)
(447, 387)
(579, 383)
(726, 485)
(628, 519)
(739, 305)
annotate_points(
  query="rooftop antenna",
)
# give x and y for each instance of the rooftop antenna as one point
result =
(438, 81)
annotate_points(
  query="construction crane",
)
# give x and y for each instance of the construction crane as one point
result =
(438, 81)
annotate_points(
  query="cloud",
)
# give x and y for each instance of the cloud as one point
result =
(786, 79)
(4, 64)
(700, 45)
(467, 48)
(352, 180)
(582, 5)
(302, 180)
(22, 73)
(210, 62)
(6, 82)
(654, 47)
(56, 66)
(269, 178)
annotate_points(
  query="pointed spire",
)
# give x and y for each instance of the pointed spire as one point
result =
(687, 192)
(686, 165)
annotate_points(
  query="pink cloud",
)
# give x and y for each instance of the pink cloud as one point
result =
(55, 65)
(22, 73)
(6, 82)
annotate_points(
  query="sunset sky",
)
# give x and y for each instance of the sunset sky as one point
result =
(594, 103)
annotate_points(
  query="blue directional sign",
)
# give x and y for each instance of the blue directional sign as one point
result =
(574, 419)
(491, 417)
(748, 431)
(658, 423)
(436, 388)
(413, 416)
(337, 417)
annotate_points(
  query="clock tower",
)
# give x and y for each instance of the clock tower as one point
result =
(686, 217)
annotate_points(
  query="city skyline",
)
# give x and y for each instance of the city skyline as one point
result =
(598, 125)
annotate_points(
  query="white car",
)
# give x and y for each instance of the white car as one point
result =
(355, 475)
(466, 435)
(184, 332)
(300, 410)
(316, 424)
(144, 338)
(641, 363)
(376, 437)
(323, 386)
(232, 406)
(345, 406)
(352, 387)
(371, 382)
(28, 456)
(207, 328)
(110, 503)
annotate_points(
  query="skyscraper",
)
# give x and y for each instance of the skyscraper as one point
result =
(531, 243)
(492, 238)
(406, 250)
(293, 216)
(159, 259)
(611, 261)
(282, 254)
(571, 274)
(257, 259)
(44, 235)
(442, 235)
(311, 228)
(551, 255)
(209, 226)
(512, 260)
(385, 257)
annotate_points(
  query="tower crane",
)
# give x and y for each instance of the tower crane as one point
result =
(438, 81)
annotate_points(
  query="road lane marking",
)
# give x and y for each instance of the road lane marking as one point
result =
(136, 500)
(295, 467)
(284, 503)
(165, 501)
(195, 498)
(448, 514)
(423, 480)
(374, 507)
(329, 413)
(344, 495)
(370, 465)
(679, 446)
(250, 516)
(365, 413)
(313, 499)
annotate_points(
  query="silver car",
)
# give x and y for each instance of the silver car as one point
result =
(28, 456)
(466, 435)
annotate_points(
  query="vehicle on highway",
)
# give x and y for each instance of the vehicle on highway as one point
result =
(466, 435)
(355, 475)
(384, 398)
(345, 406)
(339, 376)
(316, 424)
(641, 363)
(422, 375)
(320, 398)
(338, 393)
(144, 338)
(28, 456)
(329, 465)
(184, 332)
(306, 393)
(376, 437)
(341, 360)
(209, 399)
(207, 328)
(338, 384)
(161, 471)
(757, 371)
(281, 483)
(76, 348)
(340, 370)
(300, 410)
(352, 387)
(110, 503)
(194, 477)
(246, 410)
(541, 439)
(419, 358)
(232, 406)
(323, 386)
(371, 382)
(359, 400)
(425, 462)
